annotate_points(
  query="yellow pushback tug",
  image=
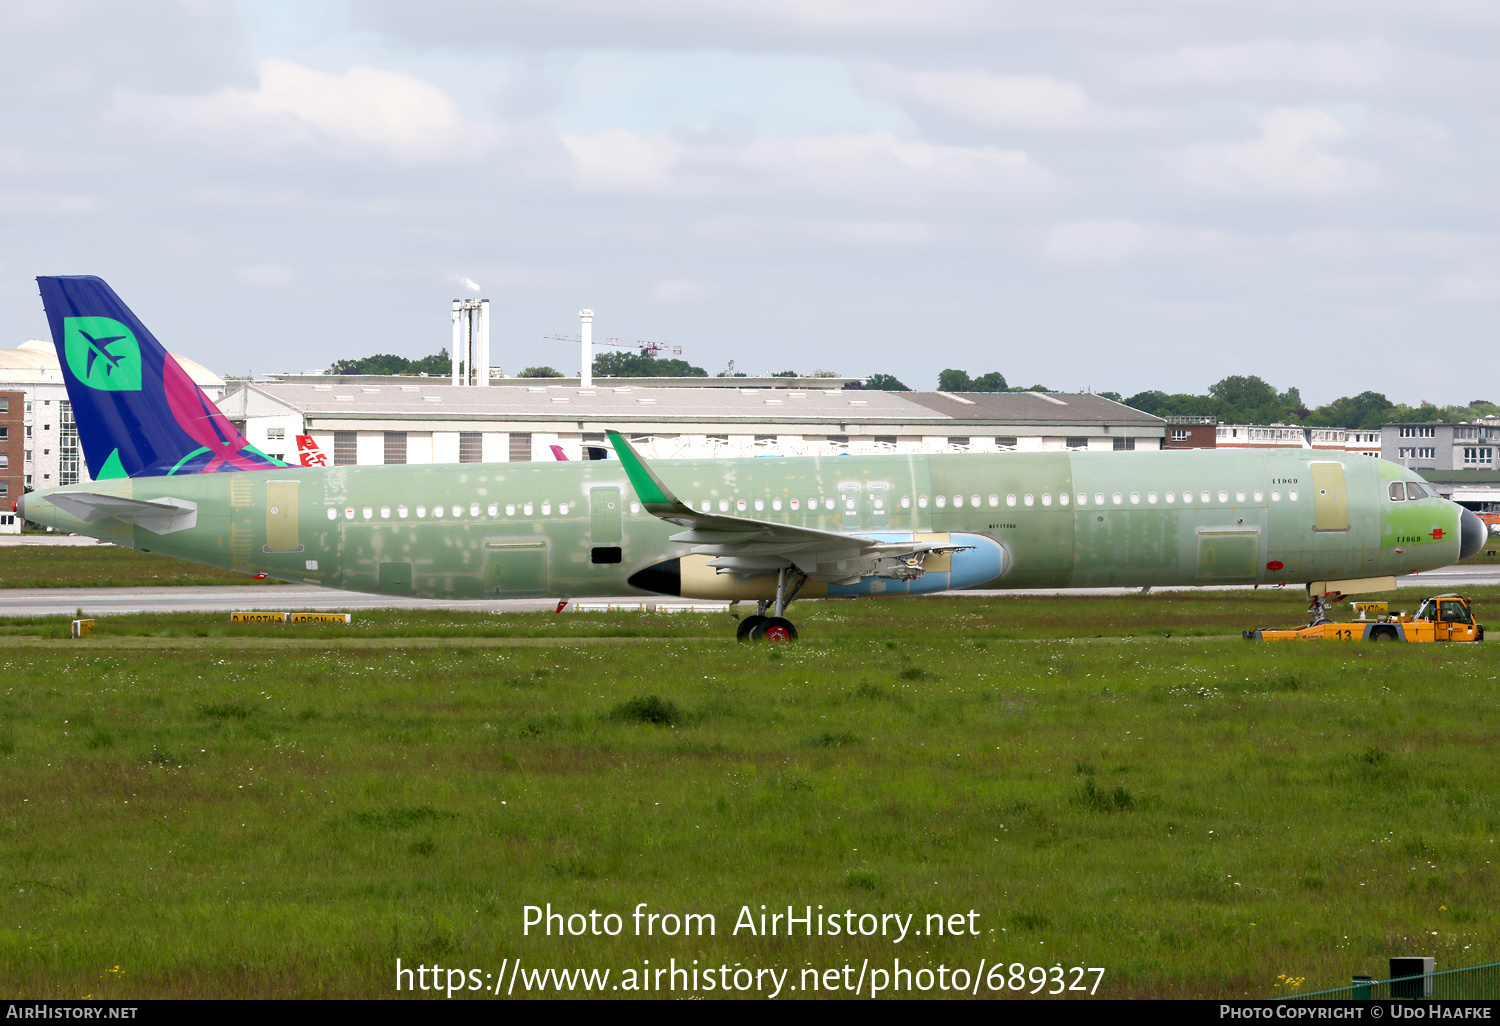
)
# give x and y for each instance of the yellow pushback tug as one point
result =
(1441, 618)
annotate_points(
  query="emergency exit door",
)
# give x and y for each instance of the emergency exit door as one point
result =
(281, 516)
(1330, 501)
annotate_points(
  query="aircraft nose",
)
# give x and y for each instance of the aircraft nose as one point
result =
(1472, 534)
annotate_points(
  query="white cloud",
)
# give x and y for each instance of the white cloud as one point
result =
(988, 100)
(672, 291)
(622, 161)
(741, 229)
(863, 166)
(1290, 158)
(1122, 240)
(48, 204)
(871, 164)
(363, 111)
(265, 275)
(1276, 63)
(1471, 286)
(1089, 242)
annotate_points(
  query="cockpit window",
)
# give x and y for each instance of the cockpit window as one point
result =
(1397, 491)
(1415, 491)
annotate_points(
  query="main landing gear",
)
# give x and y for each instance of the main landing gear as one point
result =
(777, 628)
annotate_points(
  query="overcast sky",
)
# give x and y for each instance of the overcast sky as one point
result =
(1108, 194)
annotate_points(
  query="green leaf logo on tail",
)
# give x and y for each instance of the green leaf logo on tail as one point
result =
(102, 353)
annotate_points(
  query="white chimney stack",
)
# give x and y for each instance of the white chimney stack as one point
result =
(482, 368)
(471, 341)
(458, 305)
(586, 334)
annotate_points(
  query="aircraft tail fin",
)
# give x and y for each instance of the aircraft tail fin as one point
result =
(310, 453)
(138, 413)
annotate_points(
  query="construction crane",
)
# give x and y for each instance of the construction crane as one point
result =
(648, 349)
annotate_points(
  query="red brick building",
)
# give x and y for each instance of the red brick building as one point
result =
(12, 448)
(1191, 433)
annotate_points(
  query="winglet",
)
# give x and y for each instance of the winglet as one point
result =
(654, 495)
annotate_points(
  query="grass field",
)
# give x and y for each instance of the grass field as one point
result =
(104, 566)
(193, 809)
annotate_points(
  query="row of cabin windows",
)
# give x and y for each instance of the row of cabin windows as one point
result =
(474, 510)
(829, 504)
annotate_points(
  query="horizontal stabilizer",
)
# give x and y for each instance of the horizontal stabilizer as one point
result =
(159, 516)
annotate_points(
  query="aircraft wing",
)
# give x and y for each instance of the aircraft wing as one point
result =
(159, 516)
(747, 547)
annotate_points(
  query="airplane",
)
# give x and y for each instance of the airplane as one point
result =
(173, 476)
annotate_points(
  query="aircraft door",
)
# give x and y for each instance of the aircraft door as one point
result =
(515, 567)
(282, 516)
(606, 508)
(395, 578)
(877, 504)
(1228, 553)
(849, 503)
(1330, 500)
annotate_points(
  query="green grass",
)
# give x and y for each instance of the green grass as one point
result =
(284, 811)
(104, 566)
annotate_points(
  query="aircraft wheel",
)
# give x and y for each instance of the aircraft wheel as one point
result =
(746, 625)
(775, 629)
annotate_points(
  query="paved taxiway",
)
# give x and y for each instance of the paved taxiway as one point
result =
(114, 601)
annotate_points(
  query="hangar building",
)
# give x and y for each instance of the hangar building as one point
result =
(427, 420)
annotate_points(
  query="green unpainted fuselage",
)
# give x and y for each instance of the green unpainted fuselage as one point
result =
(1078, 519)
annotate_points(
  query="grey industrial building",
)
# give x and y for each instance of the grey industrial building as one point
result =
(427, 420)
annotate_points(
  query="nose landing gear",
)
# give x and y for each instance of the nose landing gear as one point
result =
(775, 628)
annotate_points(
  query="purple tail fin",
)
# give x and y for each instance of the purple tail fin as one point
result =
(138, 412)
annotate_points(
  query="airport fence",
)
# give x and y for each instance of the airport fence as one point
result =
(1471, 983)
